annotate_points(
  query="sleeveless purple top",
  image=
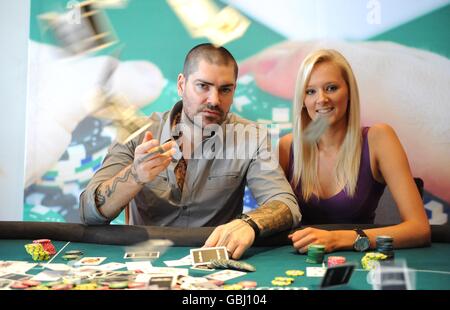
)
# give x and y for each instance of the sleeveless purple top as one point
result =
(341, 208)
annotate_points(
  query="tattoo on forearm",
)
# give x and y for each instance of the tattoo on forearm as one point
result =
(101, 196)
(119, 179)
(274, 216)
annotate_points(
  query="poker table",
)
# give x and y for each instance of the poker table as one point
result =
(271, 256)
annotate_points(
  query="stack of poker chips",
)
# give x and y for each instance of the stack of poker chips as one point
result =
(295, 273)
(37, 252)
(72, 255)
(371, 260)
(315, 253)
(47, 245)
(385, 246)
(282, 281)
(335, 261)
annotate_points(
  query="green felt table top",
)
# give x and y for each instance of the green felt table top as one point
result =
(431, 264)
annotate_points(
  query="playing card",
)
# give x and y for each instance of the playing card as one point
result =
(15, 276)
(169, 271)
(141, 255)
(315, 271)
(185, 261)
(49, 276)
(5, 283)
(226, 275)
(203, 256)
(57, 267)
(141, 266)
(337, 275)
(202, 268)
(194, 14)
(164, 282)
(90, 261)
(111, 266)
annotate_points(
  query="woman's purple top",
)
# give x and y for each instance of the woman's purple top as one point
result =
(341, 208)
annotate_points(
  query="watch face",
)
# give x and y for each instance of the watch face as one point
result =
(362, 244)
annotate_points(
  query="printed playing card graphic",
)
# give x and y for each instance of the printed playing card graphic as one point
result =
(203, 256)
(141, 255)
(90, 261)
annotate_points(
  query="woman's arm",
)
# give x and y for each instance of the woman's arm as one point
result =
(392, 167)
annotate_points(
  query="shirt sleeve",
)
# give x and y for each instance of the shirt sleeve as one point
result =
(119, 156)
(267, 181)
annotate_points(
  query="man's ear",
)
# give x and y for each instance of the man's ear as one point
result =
(181, 82)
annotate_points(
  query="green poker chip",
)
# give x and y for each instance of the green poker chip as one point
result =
(74, 252)
(122, 284)
(70, 257)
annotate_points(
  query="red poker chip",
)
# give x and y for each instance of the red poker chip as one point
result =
(31, 283)
(47, 245)
(18, 285)
(60, 287)
(336, 260)
(216, 282)
(42, 241)
(135, 284)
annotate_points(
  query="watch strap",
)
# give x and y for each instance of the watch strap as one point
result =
(246, 218)
(360, 232)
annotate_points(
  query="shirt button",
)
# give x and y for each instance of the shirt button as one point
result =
(184, 207)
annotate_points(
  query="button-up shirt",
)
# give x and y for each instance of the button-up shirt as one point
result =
(214, 186)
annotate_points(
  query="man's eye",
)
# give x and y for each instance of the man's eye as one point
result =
(226, 90)
(202, 86)
(310, 92)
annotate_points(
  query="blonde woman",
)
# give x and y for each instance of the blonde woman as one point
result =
(340, 178)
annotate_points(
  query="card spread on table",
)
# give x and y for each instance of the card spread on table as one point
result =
(141, 255)
(225, 275)
(202, 268)
(203, 256)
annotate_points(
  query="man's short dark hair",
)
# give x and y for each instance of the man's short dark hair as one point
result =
(212, 54)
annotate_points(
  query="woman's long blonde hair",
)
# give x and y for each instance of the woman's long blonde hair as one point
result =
(305, 155)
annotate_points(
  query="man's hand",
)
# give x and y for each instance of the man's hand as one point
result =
(146, 166)
(237, 236)
(302, 238)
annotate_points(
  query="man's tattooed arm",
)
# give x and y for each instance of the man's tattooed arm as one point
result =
(272, 217)
(113, 195)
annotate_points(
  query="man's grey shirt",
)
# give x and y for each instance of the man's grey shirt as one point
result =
(214, 188)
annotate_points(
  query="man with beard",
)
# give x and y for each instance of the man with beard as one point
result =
(190, 165)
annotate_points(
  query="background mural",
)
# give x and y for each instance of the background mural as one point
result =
(399, 51)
